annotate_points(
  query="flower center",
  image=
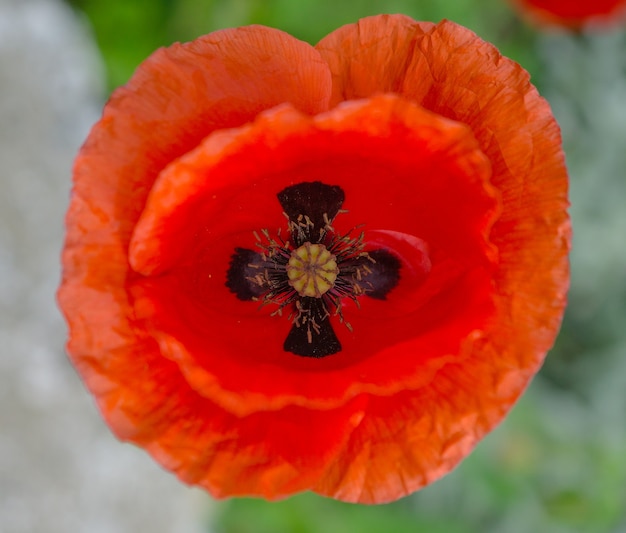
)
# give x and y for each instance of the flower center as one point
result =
(309, 274)
(312, 270)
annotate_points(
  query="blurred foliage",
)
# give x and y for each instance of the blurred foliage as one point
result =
(308, 513)
(127, 31)
(558, 462)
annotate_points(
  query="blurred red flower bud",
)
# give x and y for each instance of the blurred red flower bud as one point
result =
(573, 14)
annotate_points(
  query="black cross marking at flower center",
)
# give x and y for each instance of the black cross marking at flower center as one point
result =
(311, 272)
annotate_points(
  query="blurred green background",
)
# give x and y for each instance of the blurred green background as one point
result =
(558, 463)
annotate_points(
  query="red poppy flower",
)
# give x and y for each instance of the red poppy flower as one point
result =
(331, 268)
(572, 13)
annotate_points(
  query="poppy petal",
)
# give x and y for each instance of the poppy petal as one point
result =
(452, 72)
(176, 98)
(415, 153)
(156, 118)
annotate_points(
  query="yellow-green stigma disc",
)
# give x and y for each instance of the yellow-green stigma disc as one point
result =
(312, 270)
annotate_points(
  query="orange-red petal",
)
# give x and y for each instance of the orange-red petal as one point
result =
(452, 72)
(175, 99)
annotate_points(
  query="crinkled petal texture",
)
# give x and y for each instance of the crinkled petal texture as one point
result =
(573, 14)
(448, 159)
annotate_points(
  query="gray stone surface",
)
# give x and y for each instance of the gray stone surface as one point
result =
(61, 471)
